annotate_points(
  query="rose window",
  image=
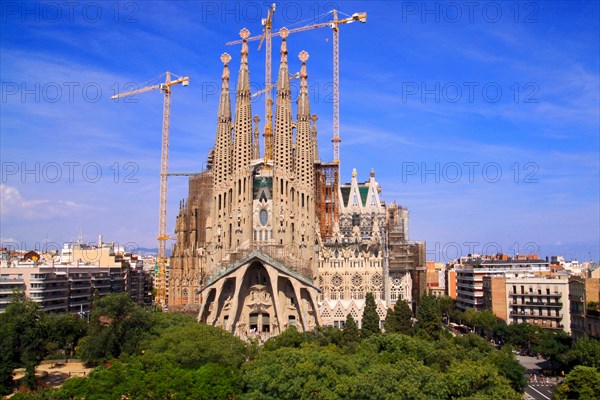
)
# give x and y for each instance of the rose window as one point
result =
(336, 281)
(376, 281)
(356, 280)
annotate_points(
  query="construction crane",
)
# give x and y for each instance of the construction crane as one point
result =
(334, 25)
(266, 37)
(164, 165)
(270, 87)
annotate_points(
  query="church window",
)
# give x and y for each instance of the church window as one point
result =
(355, 219)
(264, 216)
(377, 281)
(336, 281)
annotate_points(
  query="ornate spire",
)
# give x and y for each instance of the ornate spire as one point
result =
(224, 101)
(304, 144)
(222, 151)
(283, 111)
(303, 101)
(243, 150)
(283, 80)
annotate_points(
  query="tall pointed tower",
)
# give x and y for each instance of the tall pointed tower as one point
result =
(222, 152)
(305, 168)
(283, 114)
(222, 161)
(282, 152)
(242, 143)
(239, 225)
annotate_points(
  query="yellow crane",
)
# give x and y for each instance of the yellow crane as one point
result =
(334, 25)
(164, 165)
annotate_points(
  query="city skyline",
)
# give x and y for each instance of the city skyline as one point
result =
(482, 121)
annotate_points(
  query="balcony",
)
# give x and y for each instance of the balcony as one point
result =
(54, 296)
(80, 302)
(530, 294)
(79, 295)
(9, 290)
(530, 315)
(543, 304)
(55, 307)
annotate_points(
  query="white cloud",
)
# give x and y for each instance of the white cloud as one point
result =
(12, 204)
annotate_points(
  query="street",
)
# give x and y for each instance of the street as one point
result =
(541, 387)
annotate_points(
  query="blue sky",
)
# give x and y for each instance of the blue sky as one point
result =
(481, 119)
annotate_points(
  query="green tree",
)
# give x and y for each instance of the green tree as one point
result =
(510, 368)
(350, 331)
(552, 345)
(8, 360)
(399, 319)
(370, 318)
(196, 344)
(469, 316)
(521, 335)
(429, 317)
(22, 339)
(476, 380)
(288, 338)
(585, 351)
(117, 325)
(581, 383)
(64, 332)
(486, 322)
(326, 335)
(447, 303)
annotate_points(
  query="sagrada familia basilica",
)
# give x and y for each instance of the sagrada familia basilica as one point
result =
(269, 239)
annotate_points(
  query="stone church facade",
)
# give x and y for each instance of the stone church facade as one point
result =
(269, 239)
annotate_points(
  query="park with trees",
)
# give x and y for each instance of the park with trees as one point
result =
(142, 353)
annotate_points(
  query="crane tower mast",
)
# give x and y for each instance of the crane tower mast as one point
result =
(334, 25)
(161, 282)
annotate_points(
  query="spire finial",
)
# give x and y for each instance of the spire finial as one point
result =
(303, 56)
(225, 58)
(283, 32)
(244, 33)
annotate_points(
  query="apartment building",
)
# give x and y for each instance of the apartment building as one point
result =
(541, 300)
(470, 272)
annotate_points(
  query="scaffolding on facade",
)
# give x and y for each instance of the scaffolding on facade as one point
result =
(327, 188)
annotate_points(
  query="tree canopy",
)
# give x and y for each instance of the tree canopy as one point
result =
(399, 319)
(581, 383)
(429, 317)
(167, 356)
(370, 317)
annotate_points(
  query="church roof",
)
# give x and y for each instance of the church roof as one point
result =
(260, 255)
